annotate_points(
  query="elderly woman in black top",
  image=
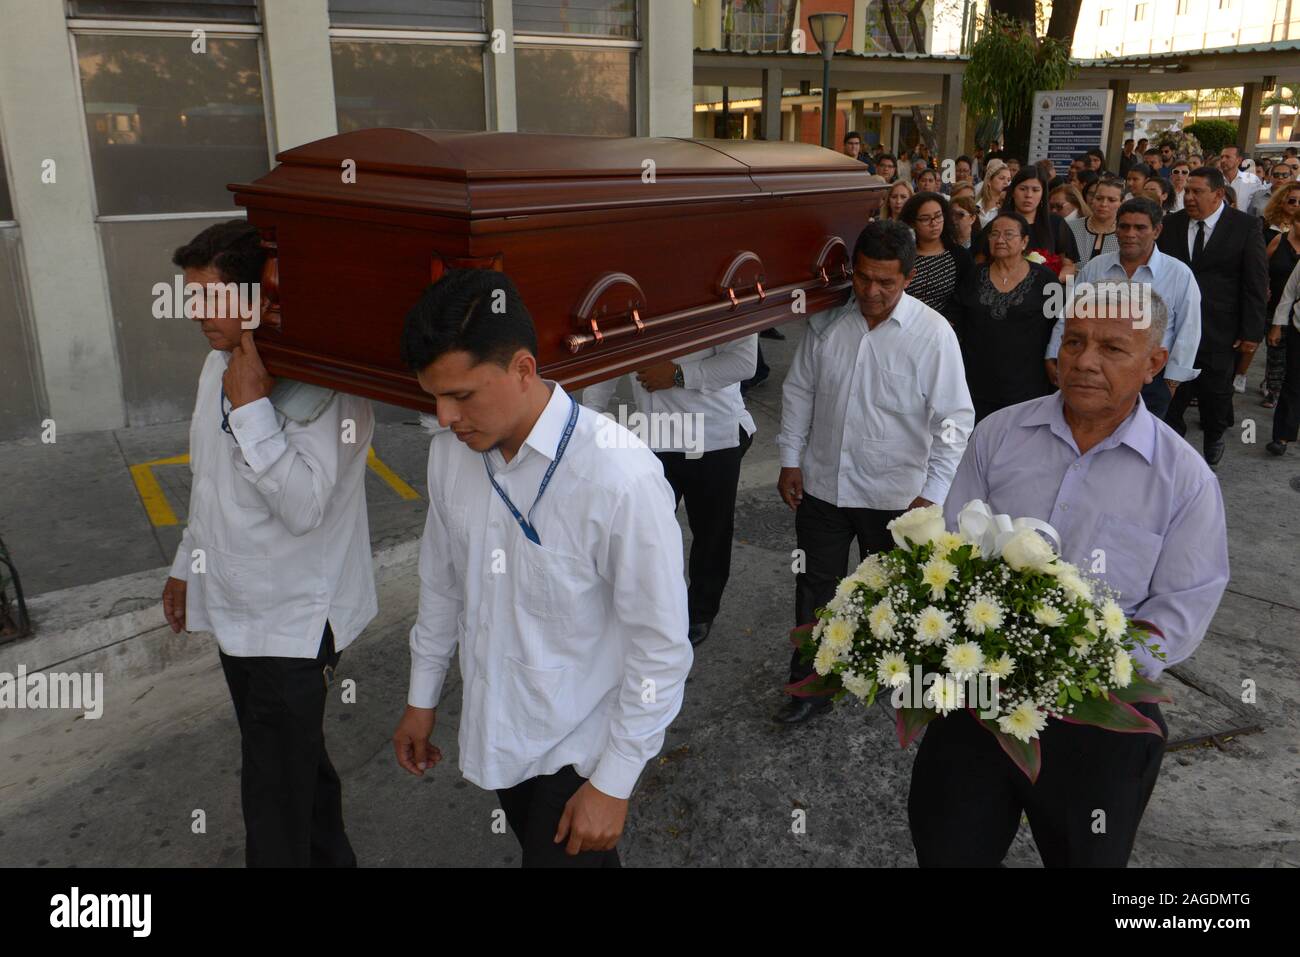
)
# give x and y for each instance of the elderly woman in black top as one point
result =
(941, 262)
(1003, 312)
(1048, 233)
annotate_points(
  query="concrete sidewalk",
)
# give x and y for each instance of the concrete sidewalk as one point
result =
(124, 789)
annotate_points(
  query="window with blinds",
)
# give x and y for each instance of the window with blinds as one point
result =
(455, 15)
(591, 18)
(223, 11)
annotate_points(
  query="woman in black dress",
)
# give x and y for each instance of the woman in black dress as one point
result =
(1004, 312)
(941, 262)
(1283, 254)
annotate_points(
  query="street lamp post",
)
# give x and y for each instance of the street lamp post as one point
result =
(827, 28)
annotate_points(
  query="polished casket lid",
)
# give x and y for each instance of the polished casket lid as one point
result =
(487, 175)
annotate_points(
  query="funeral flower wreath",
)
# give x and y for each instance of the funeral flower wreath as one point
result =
(991, 602)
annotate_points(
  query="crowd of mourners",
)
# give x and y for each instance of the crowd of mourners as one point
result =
(993, 236)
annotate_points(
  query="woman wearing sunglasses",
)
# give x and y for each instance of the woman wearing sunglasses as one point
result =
(1283, 213)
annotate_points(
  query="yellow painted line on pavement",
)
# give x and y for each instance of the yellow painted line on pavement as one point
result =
(151, 493)
(161, 514)
(388, 475)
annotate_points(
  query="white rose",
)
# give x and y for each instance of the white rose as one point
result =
(1028, 551)
(919, 526)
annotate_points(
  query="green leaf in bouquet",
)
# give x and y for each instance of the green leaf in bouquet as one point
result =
(1074, 691)
(1026, 755)
(815, 686)
(1061, 699)
(910, 721)
(1112, 714)
(1141, 690)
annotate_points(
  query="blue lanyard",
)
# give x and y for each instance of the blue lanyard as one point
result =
(525, 523)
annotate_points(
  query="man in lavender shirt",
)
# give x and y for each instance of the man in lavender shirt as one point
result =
(1122, 488)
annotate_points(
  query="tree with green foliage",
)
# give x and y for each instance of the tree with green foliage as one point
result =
(1214, 135)
(1008, 64)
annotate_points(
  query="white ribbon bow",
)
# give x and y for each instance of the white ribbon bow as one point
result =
(977, 522)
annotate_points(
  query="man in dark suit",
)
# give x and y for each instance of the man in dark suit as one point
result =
(1225, 249)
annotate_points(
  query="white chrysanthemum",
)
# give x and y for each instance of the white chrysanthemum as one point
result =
(1001, 668)
(982, 615)
(938, 573)
(818, 628)
(1121, 669)
(964, 659)
(1024, 722)
(872, 573)
(892, 671)
(839, 635)
(826, 657)
(881, 619)
(1112, 617)
(858, 685)
(933, 626)
(844, 589)
(1048, 616)
(947, 543)
(1091, 623)
(945, 695)
(1075, 585)
(1081, 646)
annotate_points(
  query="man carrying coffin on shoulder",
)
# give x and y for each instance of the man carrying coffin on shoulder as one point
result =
(275, 559)
(1115, 482)
(552, 556)
(874, 418)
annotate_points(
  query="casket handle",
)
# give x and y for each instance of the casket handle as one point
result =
(269, 292)
(733, 277)
(833, 248)
(612, 294)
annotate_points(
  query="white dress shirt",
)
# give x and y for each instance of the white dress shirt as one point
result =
(1178, 201)
(1210, 221)
(1173, 282)
(876, 417)
(1244, 186)
(278, 510)
(573, 651)
(712, 391)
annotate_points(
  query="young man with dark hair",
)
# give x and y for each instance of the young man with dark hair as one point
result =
(853, 148)
(874, 417)
(1152, 159)
(887, 167)
(552, 556)
(275, 559)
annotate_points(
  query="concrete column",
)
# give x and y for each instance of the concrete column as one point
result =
(712, 13)
(299, 73)
(666, 92)
(1252, 98)
(859, 117)
(1118, 113)
(499, 68)
(887, 127)
(948, 117)
(66, 278)
(771, 104)
(859, 25)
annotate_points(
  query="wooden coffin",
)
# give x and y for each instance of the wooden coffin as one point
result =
(626, 251)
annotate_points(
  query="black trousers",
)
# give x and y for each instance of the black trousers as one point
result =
(1286, 417)
(967, 796)
(1213, 392)
(292, 797)
(1156, 395)
(533, 810)
(708, 483)
(824, 533)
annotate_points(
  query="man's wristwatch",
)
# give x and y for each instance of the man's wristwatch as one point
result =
(679, 379)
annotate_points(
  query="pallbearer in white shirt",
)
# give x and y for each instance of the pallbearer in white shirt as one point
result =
(874, 418)
(275, 560)
(696, 423)
(552, 556)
